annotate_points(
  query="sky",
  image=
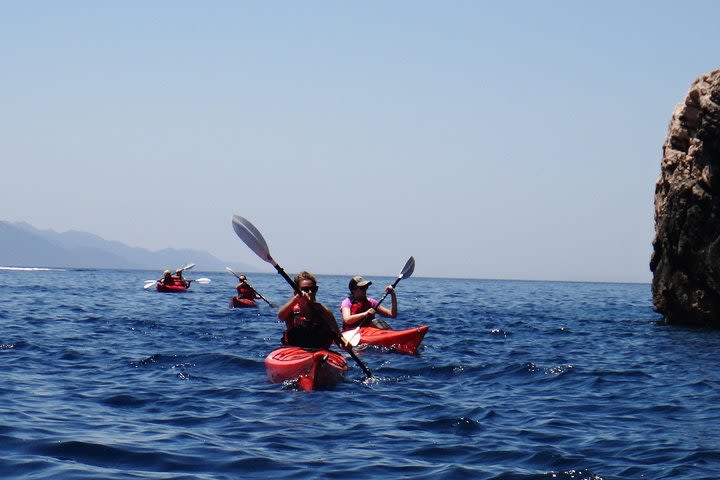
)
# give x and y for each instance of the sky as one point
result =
(502, 140)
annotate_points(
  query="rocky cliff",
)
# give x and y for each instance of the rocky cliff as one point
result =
(686, 250)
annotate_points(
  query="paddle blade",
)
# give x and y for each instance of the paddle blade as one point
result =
(188, 267)
(202, 280)
(252, 238)
(408, 269)
(352, 336)
(231, 271)
(150, 285)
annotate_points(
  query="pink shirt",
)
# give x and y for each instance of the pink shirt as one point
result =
(347, 303)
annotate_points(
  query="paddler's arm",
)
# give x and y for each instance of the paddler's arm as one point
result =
(285, 312)
(257, 295)
(392, 313)
(357, 319)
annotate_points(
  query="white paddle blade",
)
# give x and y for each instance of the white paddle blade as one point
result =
(231, 271)
(150, 285)
(409, 268)
(252, 237)
(188, 267)
(150, 281)
(202, 280)
(352, 336)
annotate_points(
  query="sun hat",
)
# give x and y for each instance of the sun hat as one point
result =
(357, 282)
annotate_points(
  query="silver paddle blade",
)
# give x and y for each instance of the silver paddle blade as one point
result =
(409, 268)
(252, 237)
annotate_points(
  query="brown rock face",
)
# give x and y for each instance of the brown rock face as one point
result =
(686, 257)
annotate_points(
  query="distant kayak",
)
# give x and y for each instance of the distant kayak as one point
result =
(178, 287)
(237, 302)
(309, 369)
(402, 341)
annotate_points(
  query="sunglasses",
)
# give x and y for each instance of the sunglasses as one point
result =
(309, 289)
(364, 287)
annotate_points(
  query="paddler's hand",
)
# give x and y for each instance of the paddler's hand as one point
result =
(304, 299)
(389, 289)
(345, 345)
(370, 313)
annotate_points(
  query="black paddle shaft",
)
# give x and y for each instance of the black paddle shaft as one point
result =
(407, 270)
(288, 279)
(397, 280)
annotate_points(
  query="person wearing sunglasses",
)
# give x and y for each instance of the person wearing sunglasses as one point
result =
(308, 323)
(358, 310)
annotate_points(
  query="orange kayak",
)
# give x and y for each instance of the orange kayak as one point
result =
(178, 287)
(403, 341)
(309, 369)
(237, 302)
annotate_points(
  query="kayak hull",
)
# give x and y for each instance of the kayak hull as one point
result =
(178, 287)
(309, 369)
(237, 302)
(402, 341)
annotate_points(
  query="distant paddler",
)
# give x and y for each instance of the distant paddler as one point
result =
(246, 294)
(174, 283)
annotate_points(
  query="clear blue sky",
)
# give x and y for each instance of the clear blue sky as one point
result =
(516, 139)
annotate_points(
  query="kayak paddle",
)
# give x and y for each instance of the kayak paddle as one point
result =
(198, 280)
(351, 336)
(407, 270)
(251, 288)
(255, 241)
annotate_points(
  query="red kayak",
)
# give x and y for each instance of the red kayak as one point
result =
(178, 287)
(237, 302)
(309, 369)
(403, 341)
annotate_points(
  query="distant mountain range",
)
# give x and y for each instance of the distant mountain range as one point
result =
(22, 245)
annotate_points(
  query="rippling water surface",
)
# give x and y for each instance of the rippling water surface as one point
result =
(515, 380)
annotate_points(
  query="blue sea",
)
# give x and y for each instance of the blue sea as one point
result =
(101, 379)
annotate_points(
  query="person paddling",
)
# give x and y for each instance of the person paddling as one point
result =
(244, 290)
(179, 277)
(308, 323)
(168, 278)
(359, 311)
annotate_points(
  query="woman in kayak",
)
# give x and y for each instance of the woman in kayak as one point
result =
(308, 323)
(244, 290)
(168, 278)
(359, 311)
